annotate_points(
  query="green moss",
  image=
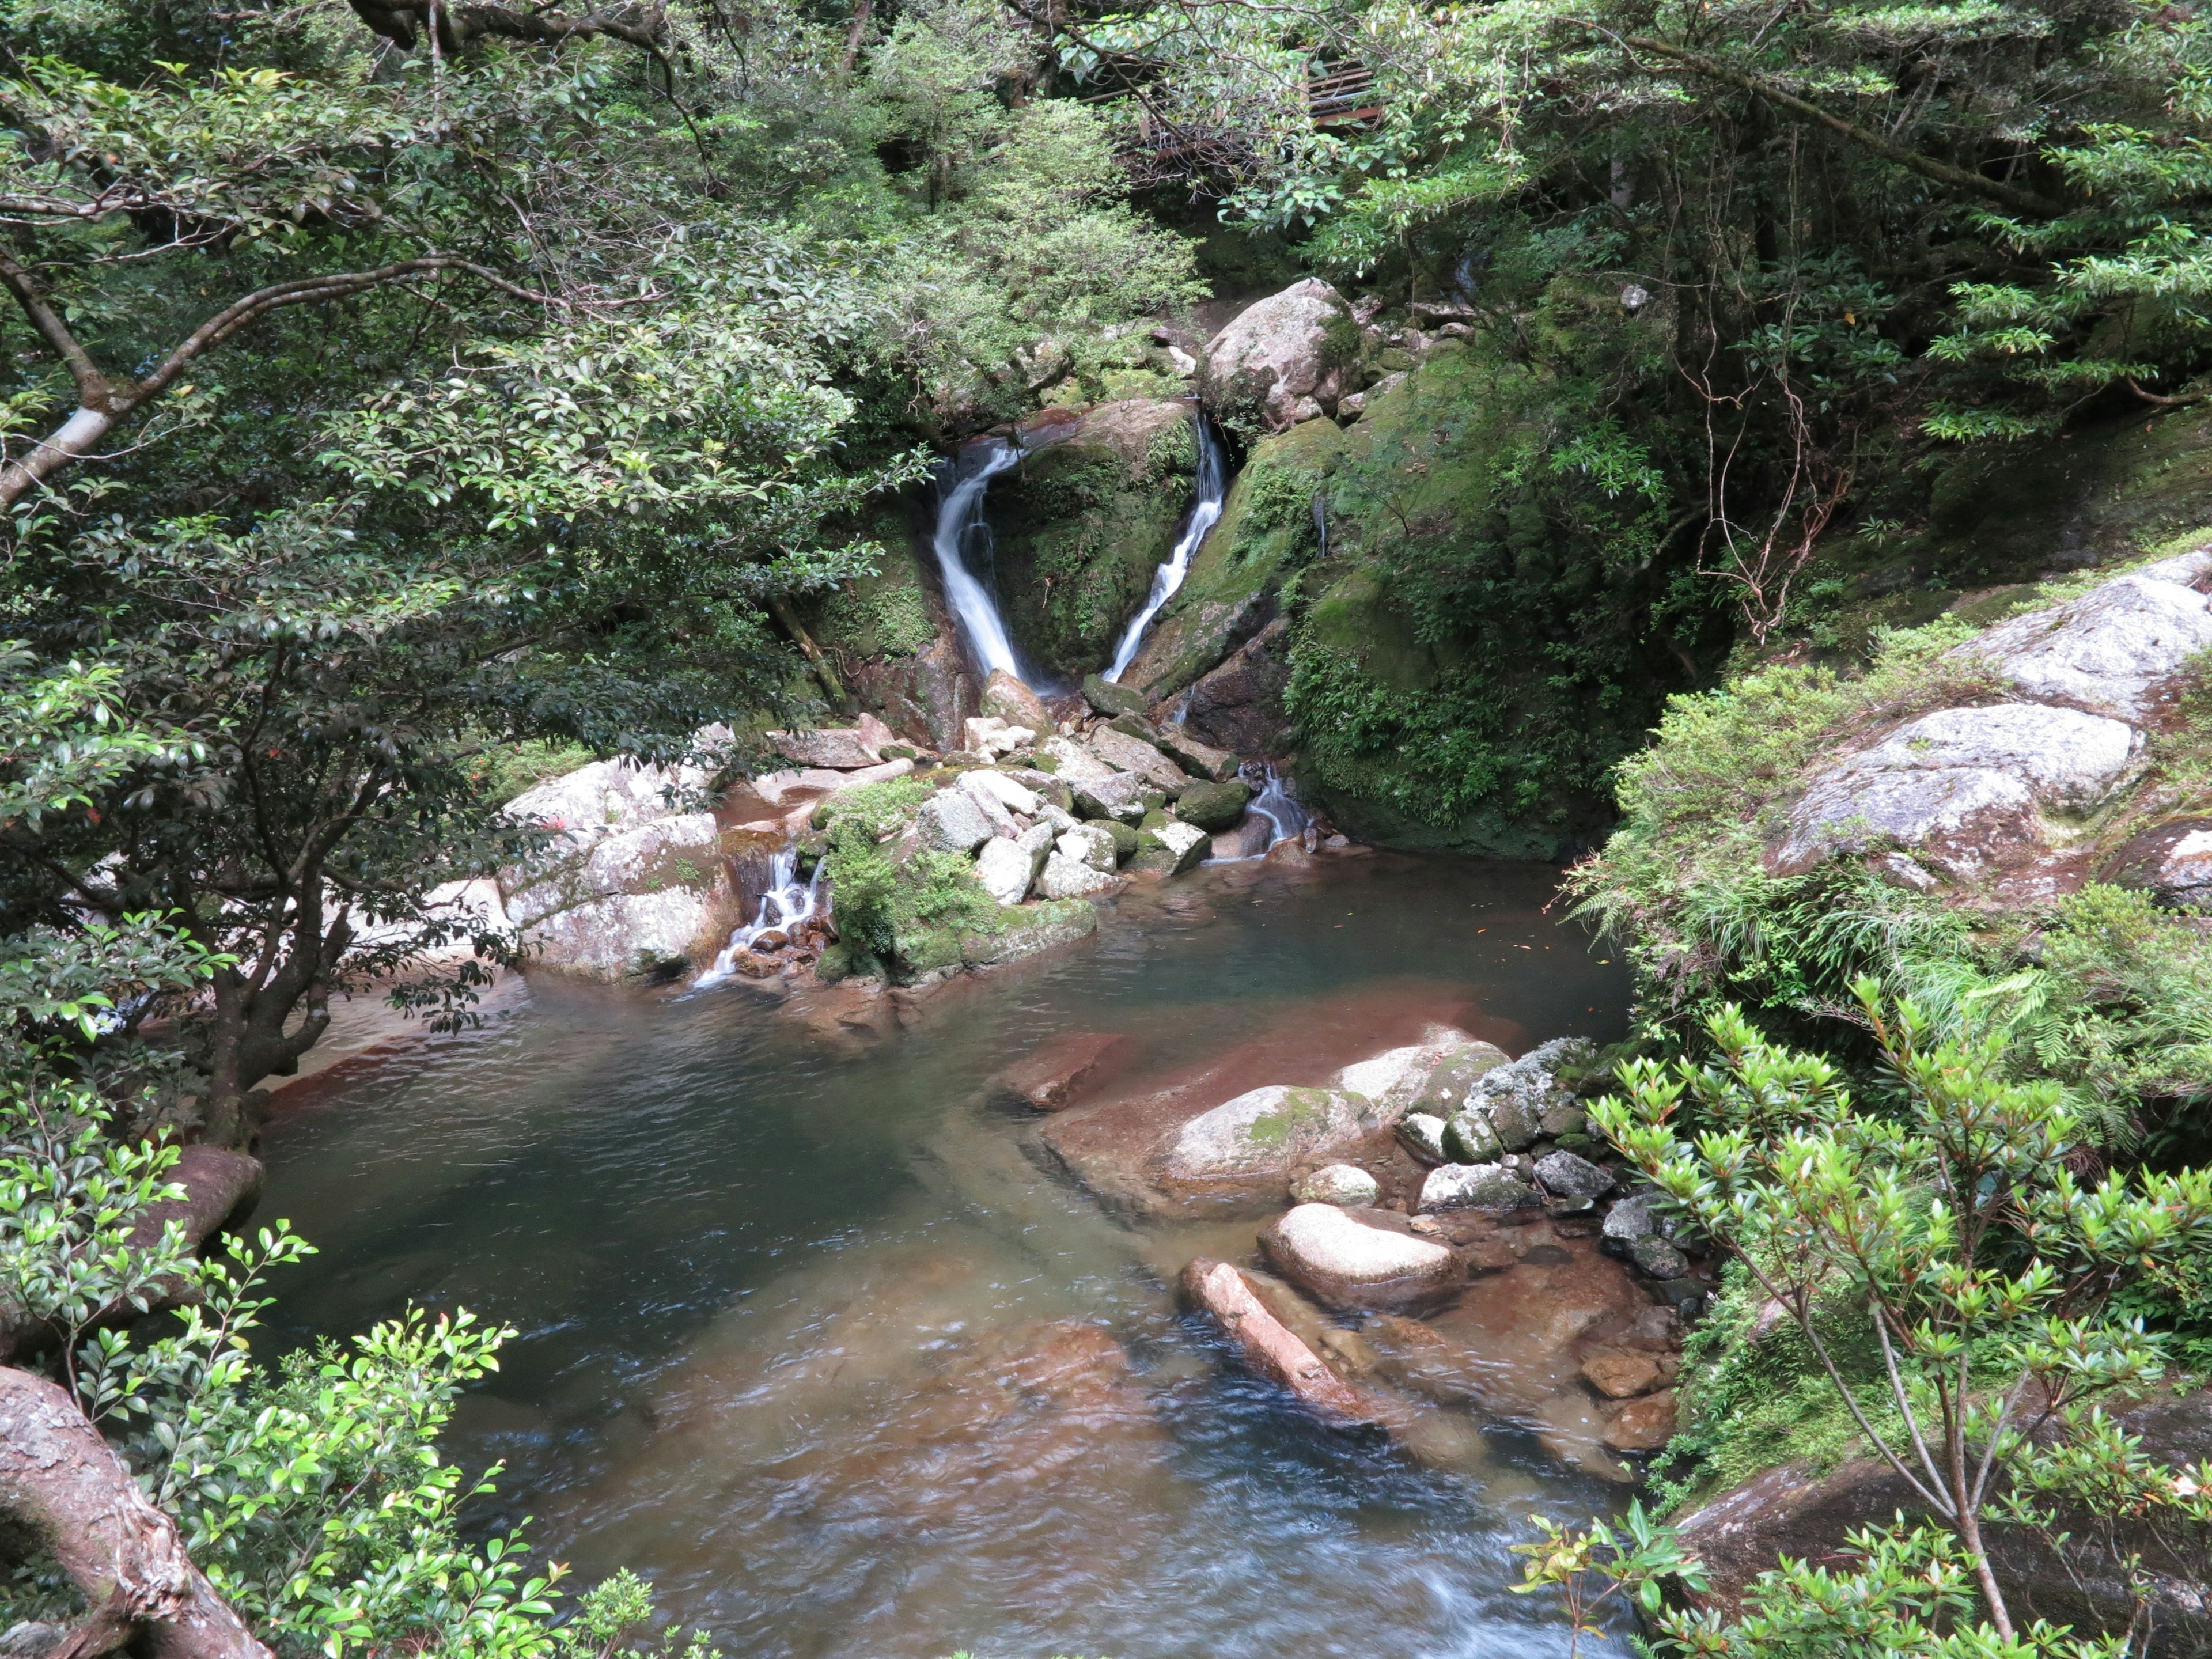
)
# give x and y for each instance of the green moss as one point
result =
(1299, 1106)
(908, 912)
(882, 617)
(512, 769)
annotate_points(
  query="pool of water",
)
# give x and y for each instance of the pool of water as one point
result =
(813, 1337)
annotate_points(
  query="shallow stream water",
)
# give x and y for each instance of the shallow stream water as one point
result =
(811, 1336)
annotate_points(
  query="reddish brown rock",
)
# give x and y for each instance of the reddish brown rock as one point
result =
(1266, 1345)
(1622, 1373)
(1239, 705)
(1059, 1073)
(1642, 1425)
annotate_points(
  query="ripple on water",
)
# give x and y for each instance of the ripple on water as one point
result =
(811, 1337)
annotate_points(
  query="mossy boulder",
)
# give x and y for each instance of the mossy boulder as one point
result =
(1214, 806)
(1080, 526)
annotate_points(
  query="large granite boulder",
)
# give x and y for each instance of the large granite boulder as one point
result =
(1963, 789)
(1007, 868)
(1008, 697)
(1270, 367)
(2117, 650)
(953, 821)
(1031, 931)
(1359, 1259)
(1173, 850)
(1265, 1132)
(2172, 862)
(1443, 1066)
(1133, 755)
(841, 749)
(1058, 1074)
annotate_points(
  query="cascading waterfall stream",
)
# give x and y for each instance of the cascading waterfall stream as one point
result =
(960, 517)
(1205, 514)
(786, 902)
(1279, 807)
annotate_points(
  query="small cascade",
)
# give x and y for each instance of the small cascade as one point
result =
(1204, 513)
(1279, 807)
(960, 523)
(788, 902)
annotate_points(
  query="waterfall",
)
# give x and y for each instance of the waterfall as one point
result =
(1279, 807)
(959, 516)
(788, 902)
(1205, 512)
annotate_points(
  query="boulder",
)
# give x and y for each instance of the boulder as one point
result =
(1239, 704)
(991, 738)
(1628, 1220)
(951, 821)
(1058, 1074)
(1201, 759)
(1125, 753)
(1118, 795)
(2172, 861)
(1265, 1131)
(1269, 360)
(1473, 1138)
(1658, 1258)
(1443, 1092)
(1524, 1100)
(1089, 843)
(1642, 1425)
(1346, 1185)
(1173, 850)
(1477, 1187)
(1622, 1373)
(987, 784)
(1398, 1080)
(1009, 699)
(1267, 1347)
(1110, 699)
(1573, 1184)
(1965, 788)
(837, 748)
(606, 796)
(1067, 878)
(1358, 1259)
(2116, 650)
(1032, 930)
(1214, 806)
(1007, 868)
(1423, 1136)
(643, 900)
(1071, 763)
(1248, 839)
(1137, 726)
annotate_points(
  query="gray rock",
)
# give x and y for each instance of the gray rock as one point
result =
(1066, 877)
(1524, 1100)
(1005, 869)
(1358, 1259)
(1041, 928)
(2118, 649)
(2172, 862)
(642, 900)
(839, 748)
(1270, 357)
(1110, 699)
(1127, 754)
(1398, 1079)
(1655, 1256)
(1964, 787)
(1469, 1138)
(1573, 1184)
(1119, 795)
(1477, 1187)
(989, 738)
(1265, 1129)
(1201, 759)
(1423, 1136)
(1628, 1220)
(1008, 699)
(1071, 763)
(987, 784)
(1341, 1184)
(1443, 1092)
(952, 821)
(1091, 844)
(1187, 847)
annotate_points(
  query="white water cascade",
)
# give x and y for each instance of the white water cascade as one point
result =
(788, 902)
(960, 517)
(1204, 513)
(1279, 807)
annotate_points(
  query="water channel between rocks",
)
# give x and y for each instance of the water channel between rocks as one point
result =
(811, 1337)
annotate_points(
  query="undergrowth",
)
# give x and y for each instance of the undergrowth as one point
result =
(903, 911)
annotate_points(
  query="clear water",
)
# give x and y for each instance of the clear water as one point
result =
(781, 1297)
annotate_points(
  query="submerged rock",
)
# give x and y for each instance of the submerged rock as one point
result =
(1642, 1425)
(1342, 1184)
(1269, 1346)
(1057, 1075)
(1356, 1259)
(1622, 1373)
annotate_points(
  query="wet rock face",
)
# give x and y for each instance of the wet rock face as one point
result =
(1357, 1258)
(1239, 705)
(1267, 1347)
(1965, 787)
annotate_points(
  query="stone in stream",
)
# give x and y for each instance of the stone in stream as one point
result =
(1248, 839)
(952, 821)
(1110, 699)
(1655, 1256)
(1201, 760)
(1397, 1080)
(1573, 1184)
(1346, 1185)
(1642, 1425)
(1477, 1187)
(1423, 1136)
(1173, 850)
(1120, 796)
(1010, 700)
(1214, 806)
(1268, 1347)
(839, 748)
(1127, 754)
(1628, 1220)
(1445, 1090)
(1264, 1131)
(1091, 844)
(1067, 878)
(1031, 931)
(1472, 1137)
(1622, 1373)
(1071, 763)
(1358, 1259)
(1524, 1100)
(1060, 1072)
(1008, 869)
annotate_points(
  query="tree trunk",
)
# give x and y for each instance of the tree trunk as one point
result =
(60, 1479)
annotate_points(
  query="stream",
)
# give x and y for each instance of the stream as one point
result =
(811, 1336)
